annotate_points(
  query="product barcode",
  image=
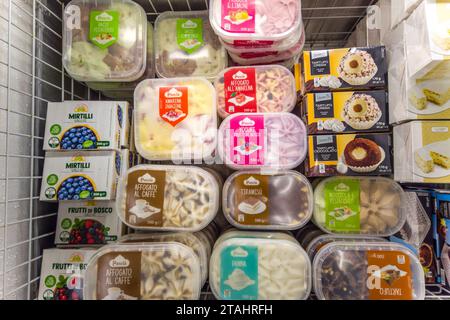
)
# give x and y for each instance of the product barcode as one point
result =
(321, 168)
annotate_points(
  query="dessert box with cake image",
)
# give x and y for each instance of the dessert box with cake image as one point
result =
(353, 111)
(422, 152)
(344, 69)
(349, 155)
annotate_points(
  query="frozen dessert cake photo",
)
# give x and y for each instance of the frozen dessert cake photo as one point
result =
(433, 156)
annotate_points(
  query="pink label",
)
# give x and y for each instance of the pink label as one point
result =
(247, 140)
(251, 55)
(240, 90)
(238, 16)
(249, 44)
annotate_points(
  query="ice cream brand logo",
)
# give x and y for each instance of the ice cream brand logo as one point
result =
(104, 17)
(247, 122)
(76, 257)
(146, 179)
(342, 187)
(189, 24)
(119, 262)
(240, 75)
(173, 93)
(173, 104)
(239, 253)
(251, 182)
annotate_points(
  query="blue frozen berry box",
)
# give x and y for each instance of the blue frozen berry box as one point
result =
(87, 125)
(80, 175)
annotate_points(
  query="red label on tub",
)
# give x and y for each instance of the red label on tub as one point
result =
(251, 55)
(173, 104)
(240, 90)
(238, 16)
(247, 140)
(244, 44)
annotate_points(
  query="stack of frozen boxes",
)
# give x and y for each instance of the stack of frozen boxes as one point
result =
(418, 46)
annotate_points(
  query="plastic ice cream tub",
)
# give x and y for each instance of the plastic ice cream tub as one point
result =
(121, 90)
(367, 271)
(104, 40)
(186, 45)
(319, 242)
(270, 20)
(235, 233)
(175, 119)
(369, 206)
(186, 238)
(262, 140)
(265, 89)
(269, 269)
(167, 198)
(278, 201)
(152, 271)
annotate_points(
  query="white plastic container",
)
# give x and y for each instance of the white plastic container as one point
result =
(269, 269)
(175, 119)
(264, 89)
(262, 140)
(167, 198)
(186, 45)
(278, 201)
(367, 271)
(104, 40)
(153, 271)
(255, 19)
(369, 206)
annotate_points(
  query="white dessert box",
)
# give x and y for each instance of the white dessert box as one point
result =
(422, 152)
(402, 9)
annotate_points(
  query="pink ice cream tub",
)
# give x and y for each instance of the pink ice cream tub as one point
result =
(262, 141)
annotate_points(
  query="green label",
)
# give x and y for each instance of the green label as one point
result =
(342, 205)
(55, 129)
(239, 273)
(189, 34)
(104, 28)
(52, 179)
(50, 281)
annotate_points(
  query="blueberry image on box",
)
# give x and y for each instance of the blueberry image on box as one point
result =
(76, 188)
(69, 288)
(78, 138)
(119, 116)
(88, 232)
(118, 162)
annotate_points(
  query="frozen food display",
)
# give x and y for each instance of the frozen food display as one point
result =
(152, 271)
(262, 140)
(262, 89)
(374, 206)
(87, 125)
(367, 271)
(87, 223)
(167, 198)
(422, 152)
(245, 266)
(186, 45)
(344, 69)
(281, 201)
(104, 40)
(82, 175)
(62, 274)
(349, 154)
(189, 239)
(255, 19)
(175, 119)
(345, 112)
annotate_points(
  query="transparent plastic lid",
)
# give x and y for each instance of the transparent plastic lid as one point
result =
(270, 269)
(262, 140)
(265, 89)
(371, 206)
(185, 238)
(255, 19)
(152, 271)
(186, 45)
(126, 89)
(278, 201)
(175, 119)
(235, 233)
(104, 40)
(319, 242)
(368, 271)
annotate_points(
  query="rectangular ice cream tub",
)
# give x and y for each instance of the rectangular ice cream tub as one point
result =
(346, 112)
(262, 140)
(143, 271)
(262, 89)
(87, 125)
(367, 271)
(62, 274)
(80, 175)
(175, 119)
(422, 152)
(360, 206)
(349, 154)
(344, 69)
(167, 198)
